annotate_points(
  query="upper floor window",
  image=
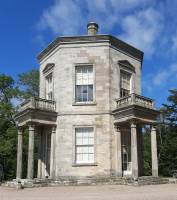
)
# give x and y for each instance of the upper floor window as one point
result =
(49, 87)
(124, 83)
(84, 145)
(84, 84)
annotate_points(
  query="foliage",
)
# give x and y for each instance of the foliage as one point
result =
(166, 139)
(29, 84)
(147, 152)
(8, 130)
(7, 125)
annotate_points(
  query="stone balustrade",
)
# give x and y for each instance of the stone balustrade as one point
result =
(135, 99)
(37, 103)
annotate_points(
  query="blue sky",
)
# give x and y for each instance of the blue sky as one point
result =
(150, 25)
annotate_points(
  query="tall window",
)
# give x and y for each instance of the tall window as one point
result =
(84, 146)
(124, 84)
(49, 87)
(84, 84)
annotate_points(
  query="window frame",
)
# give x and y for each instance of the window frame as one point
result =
(130, 74)
(48, 71)
(74, 161)
(126, 67)
(46, 77)
(75, 103)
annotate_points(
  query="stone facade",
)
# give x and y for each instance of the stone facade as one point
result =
(57, 138)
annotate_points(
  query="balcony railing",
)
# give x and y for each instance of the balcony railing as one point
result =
(135, 99)
(38, 103)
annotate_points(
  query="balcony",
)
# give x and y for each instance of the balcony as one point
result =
(36, 110)
(135, 107)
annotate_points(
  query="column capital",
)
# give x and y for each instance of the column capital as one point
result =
(154, 126)
(133, 124)
(54, 129)
(20, 131)
(117, 128)
(31, 127)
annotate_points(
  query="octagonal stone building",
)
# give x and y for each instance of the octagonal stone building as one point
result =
(90, 112)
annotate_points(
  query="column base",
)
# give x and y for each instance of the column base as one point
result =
(155, 173)
(119, 174)
(135, 173)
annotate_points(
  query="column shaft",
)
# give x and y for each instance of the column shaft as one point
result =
(154, 152)
(19, 154)
(52, 155)
(30, 171)
(134, 151)
(118, 152)
(39, 170)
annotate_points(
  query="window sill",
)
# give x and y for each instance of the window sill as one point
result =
(84, 104)
(84, 164)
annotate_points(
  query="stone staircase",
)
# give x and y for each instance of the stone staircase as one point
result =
(80, 181)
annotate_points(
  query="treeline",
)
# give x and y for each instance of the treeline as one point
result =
(12, 92)
(166, 139)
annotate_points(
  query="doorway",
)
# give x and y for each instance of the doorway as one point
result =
(126, 154)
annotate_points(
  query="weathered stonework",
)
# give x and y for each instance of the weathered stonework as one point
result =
(108, 57)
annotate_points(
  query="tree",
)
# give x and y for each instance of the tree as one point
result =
(166, 138)
(170, 109)
(168, 133)
(29, 84)
(7, 125)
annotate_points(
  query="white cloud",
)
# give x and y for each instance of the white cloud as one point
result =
(142, 29)
(139, 22)
(64, 17)
(163, 76)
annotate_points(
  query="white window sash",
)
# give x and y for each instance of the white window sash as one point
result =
(84, 147)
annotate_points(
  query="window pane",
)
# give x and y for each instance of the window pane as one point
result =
(85, 158)
(84, 145)
(125, 84)
(84, 79)
(85, 141)
(85, 150)
(90, 92)
(90, 149)
(79, 158)
(79, 150)
(91, 140)
(84, 93)
(79, 141)
(49, 87)
(91, 158)
(79, 93)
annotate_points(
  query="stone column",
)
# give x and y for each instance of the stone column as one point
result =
(30, 171)
(134, 151)
(39, 167)
(154, 152)
(19, 154)
(118, 152)
(52, 153)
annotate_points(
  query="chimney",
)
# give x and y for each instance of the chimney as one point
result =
(92, 28)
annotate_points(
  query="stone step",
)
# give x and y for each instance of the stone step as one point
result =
(73, 181)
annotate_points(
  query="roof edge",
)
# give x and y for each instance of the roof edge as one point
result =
(117, 43)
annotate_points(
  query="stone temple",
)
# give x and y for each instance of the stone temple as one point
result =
(89, 116)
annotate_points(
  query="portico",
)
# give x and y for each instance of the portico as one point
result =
(37, 110)
(131, 114)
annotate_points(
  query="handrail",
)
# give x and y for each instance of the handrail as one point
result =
(135, 99)
(38, 103)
